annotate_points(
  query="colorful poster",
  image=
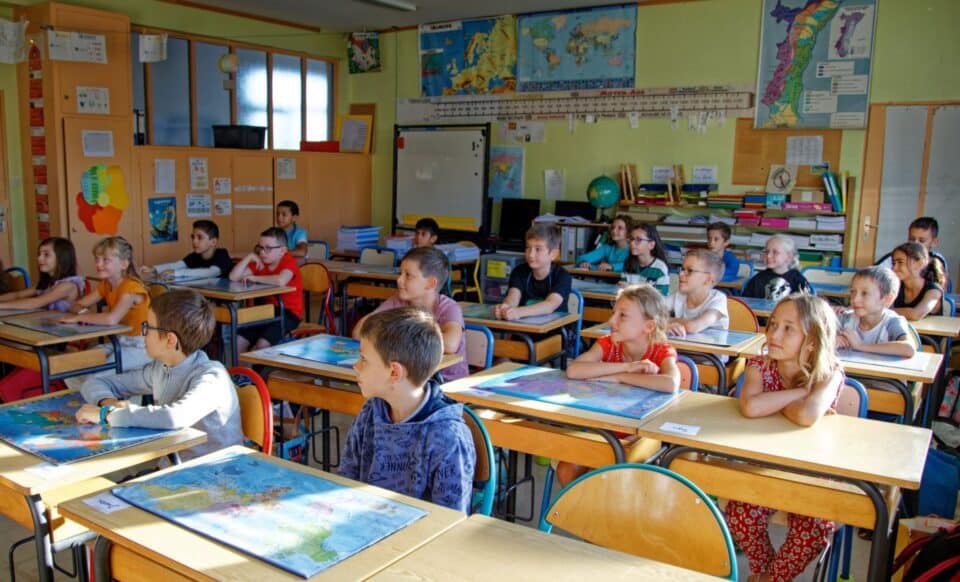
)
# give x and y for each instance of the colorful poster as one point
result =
(815, 59)
(325, 349)
(470, 57)
(102, 198)
(199, 177)
(198, 205)
(592, 48)
(363, 52)
(163, 219)
(314, 523)
(506, 172)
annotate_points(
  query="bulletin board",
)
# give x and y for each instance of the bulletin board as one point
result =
(755, 150)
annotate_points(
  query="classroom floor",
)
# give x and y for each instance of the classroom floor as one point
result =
(26, 568)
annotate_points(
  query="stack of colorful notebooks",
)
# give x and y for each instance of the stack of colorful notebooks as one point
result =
(355, 238)
(715, 200)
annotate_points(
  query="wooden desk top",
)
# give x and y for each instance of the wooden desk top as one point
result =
(36, 339)
(348, 268)
(759, 306)
(578, 272)
(462, 391)
(875, 451)
(226, 290)
(272, 357)
(733, 283)
(930, 362)
(525, 325)
(15, 312)
(200, 558)
(482, 548)
(938, 325)
(596, 289)
(750, 345)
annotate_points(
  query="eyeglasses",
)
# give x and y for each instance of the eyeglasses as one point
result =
(640, 239)
(260, 248)
(688, 272)
(145, 327)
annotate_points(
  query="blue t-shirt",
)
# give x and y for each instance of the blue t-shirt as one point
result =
(731, 266)
(295, 236)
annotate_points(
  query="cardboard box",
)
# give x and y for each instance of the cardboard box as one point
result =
(807, 196)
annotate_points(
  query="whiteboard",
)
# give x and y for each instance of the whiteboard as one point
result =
(441, 172)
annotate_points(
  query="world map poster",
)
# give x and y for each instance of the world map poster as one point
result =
(815, 58)
(47, 428)
(506, 172)
(469, 57)
(292, 519)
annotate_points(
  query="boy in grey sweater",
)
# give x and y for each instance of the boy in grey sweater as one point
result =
(188, 389)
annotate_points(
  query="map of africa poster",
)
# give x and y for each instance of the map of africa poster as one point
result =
(593, 48)
(815, 58)
(292, 519)
(469, 57)
(47, 428)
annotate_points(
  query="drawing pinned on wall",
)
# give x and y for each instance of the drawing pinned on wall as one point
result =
(199, 176)
(153, 48)
(223, 207)
(102, 199)
(198, 205)
(363, 52)
(506, 172)
(93, 100)
(163, 219)
(353, 133)
(221, 185)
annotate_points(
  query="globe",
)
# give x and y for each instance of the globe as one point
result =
(603, 192)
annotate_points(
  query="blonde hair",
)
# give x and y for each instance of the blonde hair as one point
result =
(819, 324)
(124, 251)
(653, 305)
(710, 260)
(787, 244)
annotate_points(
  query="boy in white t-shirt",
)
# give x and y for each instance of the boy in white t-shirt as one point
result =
(869, 325)
(697, 306)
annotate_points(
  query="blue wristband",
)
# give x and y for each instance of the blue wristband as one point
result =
(104, 412)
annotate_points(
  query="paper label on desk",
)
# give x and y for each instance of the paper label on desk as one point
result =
(684, 429)
(106, 502)
(49, 470)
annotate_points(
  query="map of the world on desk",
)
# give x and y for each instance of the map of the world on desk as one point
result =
(224, 285)
(296, 521)
(914, 364)
(553, 386)
(52, 326)
(48, 428)
(325, 349)
(481, 311)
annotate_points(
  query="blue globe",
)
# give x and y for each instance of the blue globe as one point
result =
(603, 192)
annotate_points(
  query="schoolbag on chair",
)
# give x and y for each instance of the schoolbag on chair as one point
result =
(936, 558)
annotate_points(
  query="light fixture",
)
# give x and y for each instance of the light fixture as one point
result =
(395, 4)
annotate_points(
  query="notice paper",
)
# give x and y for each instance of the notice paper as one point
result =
(199, 178)
(164, 176)
(13, 42)
(804, 150)
(93, 100)
(153, 48)
(286, 168)
(553, 184)
(97, 144)
(198, 205)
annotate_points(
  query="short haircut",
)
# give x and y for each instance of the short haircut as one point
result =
(209, 227)
(432, 262)
(428, 224)
(711, 261)
(409, 336)
(545, 231)
(293, 206)
(188, 315)
(927, 223)
(887, 282)
(277, 233)
(723, 227)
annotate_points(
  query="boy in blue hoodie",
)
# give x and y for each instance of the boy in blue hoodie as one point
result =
(409, 437)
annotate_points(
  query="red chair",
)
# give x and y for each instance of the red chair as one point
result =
(256, 411)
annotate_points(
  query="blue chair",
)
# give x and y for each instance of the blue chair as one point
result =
(646, 511)
(828, 278)
(574, 305)
(23, 275)
(485, 473)
(479, 346)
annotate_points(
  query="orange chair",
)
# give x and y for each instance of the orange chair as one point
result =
(256, 411)
(316, 280)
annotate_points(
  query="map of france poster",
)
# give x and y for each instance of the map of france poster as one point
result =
(815, 58)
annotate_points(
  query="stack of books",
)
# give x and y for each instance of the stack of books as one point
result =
(696, 194)
(715, 200)
(401, 243)
(355, 238)
(457, 252)
(803, 223)
(747, 217)
(832, 223)
(652, 195)
(755, 200)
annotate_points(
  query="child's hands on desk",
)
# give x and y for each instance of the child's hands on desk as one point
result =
(584, 265)
(848, 338)
(604, 266)
(642, 367)
(505, 311)
(677, 329)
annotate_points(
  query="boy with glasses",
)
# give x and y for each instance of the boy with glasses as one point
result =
(696, 305)
(188, 389)
(270, 263)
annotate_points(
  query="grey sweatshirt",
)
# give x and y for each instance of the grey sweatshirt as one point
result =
(197, 392)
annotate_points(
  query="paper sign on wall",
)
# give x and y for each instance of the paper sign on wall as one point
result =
(553, 184)
(198, 205)
(223, 207)
(93, 100)
(164, 176)
(286, 168)
(221, 185)
(76, 46)
(153, 48)
(13, 42)
(662, 174)
(199, 178)
(704, 174)
(97, 144)
(804, 150)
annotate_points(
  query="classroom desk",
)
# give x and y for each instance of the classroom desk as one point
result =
(760, 306)
(741, 343)
(524, 329)
(593, 273)
(32, 498)
(599, 296)
(887, 369)
(364, 281)
(734, 285)
(233, 293)
(32, 349)
(137, 545)
(475, 550)
(938, 328)
(872, 459)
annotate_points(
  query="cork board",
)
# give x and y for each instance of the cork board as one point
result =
(754, 150)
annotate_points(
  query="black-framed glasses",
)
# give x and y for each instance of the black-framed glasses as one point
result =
(146, 327)
(260, 248)
(640, 239)
(689, 272)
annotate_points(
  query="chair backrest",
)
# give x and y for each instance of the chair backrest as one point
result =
(479, 346)
(317, 280)
(745, 270)
(949, 305)
(19, 278)
(378, 256)
(256, 411)
(157, 289)
(318, 250)
(828, 275)
(646, 511)
(689, 375)
(742, 318)
(853, 399)
(485, 473)
(575, 305)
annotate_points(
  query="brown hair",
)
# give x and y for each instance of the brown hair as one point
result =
(653, 305)
(432, 262)
(722, 227)
(66, 256)
(932, 271)
(545, 231)
(886, 280)
(409, 336)
(188, 315)
(819, 324)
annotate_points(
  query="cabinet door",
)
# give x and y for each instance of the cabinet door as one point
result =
(252, 199)
(102, 194)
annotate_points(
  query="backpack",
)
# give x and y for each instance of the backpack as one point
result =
(936, 558)
(946, 425)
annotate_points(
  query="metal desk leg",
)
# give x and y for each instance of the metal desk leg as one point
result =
(232, 348)
(619, 454)
(41, 537)
(44, 369)
(101, 560)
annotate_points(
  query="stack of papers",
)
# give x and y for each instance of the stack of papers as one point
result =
(832, 223)
(724, 219)
(803, 222)
(400, 243)
(355, 238)
(458, 252)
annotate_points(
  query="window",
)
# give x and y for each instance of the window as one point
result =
(251, 87)
(287, 86)
(170, 95)
(139, 92)
(213, 101)
(319, 106)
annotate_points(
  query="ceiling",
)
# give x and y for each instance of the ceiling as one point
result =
(359, 15)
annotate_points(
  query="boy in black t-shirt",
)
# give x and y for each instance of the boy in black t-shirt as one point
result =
(206, 260)
(540, 286)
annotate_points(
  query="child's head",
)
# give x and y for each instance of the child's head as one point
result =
(56, 259)
(542, 245)
(718, 236)
(397, 344)
(913, 260)
(645, 242)
(183, 314)
(205, 236)
(872, 290)
(640, 312)
(924, 230)
(780, 254)
(803, 329)
(423, 270)
(701, 268)
(113, 257)
(620, 228)
(425, 233)
(272, 245)
(287, 213)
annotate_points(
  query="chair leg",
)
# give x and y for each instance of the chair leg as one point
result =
(13, 548)
(547, 494)
(847, 551)
(839, 543)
